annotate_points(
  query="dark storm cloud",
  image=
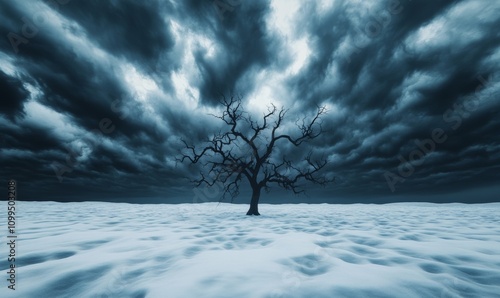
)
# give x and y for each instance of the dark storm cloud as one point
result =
(82, 89)
(13, 95)
(133, 29)
(246, 45)
(370, 57)
(391, 72)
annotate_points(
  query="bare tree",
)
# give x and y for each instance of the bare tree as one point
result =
(244, 151)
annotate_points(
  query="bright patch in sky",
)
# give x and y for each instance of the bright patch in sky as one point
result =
(39, 115)
(139, 84)
(283, 12)
(184, 92)
(262, 98)
(283, 19)
(6, 65)
(301, 54)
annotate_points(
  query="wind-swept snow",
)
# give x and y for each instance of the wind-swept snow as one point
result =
(95, 249)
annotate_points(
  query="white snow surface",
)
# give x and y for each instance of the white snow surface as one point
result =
(96, 249)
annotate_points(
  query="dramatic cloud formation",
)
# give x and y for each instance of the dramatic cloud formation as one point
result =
(96, 95)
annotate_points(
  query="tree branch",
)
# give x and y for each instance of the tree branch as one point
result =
(226, 161)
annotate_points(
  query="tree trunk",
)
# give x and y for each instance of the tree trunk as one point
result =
(254, 203)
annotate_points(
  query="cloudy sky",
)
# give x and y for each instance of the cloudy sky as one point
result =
(96, 95)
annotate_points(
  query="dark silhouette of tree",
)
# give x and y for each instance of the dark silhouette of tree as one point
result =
(245, 149)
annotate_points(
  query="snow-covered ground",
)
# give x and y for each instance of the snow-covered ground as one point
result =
(95, 249)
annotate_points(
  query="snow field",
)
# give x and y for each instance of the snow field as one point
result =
(95, 249)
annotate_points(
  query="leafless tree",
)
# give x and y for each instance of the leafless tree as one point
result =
(244, 151)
